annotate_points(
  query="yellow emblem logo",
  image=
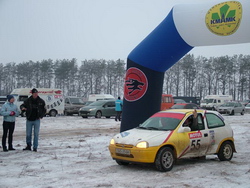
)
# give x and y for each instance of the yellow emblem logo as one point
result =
(224, 19)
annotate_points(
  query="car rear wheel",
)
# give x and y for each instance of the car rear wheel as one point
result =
(53, 113)
(242, 113)
(165, 159)
(226, 151)
(98, 114)
(121, 162)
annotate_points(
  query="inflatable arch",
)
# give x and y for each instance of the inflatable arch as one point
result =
(186, 26)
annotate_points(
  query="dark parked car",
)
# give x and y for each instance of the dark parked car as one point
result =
(98, 109)
(176, 101)
(185, 106)
(231, 108)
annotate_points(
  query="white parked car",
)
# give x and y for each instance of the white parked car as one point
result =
(231, 108)
(247, 108)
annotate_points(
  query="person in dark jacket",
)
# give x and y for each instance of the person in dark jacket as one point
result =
(9, 111)
(35, 110)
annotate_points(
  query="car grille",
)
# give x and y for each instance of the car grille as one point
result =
(124, 145)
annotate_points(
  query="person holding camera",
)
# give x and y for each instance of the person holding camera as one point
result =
(9, 111)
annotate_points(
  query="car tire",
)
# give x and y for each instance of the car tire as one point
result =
(98, 114)
(23, 114)
(226, 151)
(165, 159)
(53, 113)
(242, 113)
(122, 162)
(232, 113)
(66, 113)
(84, 116)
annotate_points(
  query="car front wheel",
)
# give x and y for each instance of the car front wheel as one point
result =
(165, 159)
(53, 113)
(226, 151)
(98, 114)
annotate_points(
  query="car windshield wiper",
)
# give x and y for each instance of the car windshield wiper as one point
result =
(141, 127)
(152, 128)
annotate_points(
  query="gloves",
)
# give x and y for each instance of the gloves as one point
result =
(12, 113)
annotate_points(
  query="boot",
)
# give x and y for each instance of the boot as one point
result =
(11, 148)
(28, 147)
(5, 149)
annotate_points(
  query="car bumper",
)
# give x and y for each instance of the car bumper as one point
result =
(137, 155)
(86, 113)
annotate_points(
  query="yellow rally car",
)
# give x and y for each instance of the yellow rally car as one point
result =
(173, 134)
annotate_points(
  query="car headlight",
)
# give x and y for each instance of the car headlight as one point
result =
(91, 109)
(112, 142)
(143, 144)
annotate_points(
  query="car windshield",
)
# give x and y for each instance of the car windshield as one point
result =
(229, 104)
(177, 106)
(77, 101)
(160, 123)
(209, 100)
(248, 105)
(179, 101)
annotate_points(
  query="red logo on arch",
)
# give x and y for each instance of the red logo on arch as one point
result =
(136, 84)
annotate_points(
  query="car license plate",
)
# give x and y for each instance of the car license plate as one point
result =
(122, 151)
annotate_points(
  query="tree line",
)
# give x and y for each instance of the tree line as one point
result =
(200, 76)
(191, 76)
(91, 77)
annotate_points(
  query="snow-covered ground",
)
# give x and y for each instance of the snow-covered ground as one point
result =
(73, 152)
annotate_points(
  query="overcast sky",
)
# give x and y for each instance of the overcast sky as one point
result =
(85, 29)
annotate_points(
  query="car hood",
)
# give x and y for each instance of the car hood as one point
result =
(89, 107)
(134, 136)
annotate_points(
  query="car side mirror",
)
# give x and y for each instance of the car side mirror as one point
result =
(184, 129)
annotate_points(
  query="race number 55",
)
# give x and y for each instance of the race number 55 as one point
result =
(195, 144)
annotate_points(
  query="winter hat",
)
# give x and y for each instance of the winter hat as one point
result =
(9, 97)
(34, 90)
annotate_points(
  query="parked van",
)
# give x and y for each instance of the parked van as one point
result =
(53, 99)
(167, 101)
(72, 105)
(212, 102)
(97, 97)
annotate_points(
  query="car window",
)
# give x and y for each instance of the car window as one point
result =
(214, 121)
(22, 97)
(67, 100)
(194, 125)
(110, 104)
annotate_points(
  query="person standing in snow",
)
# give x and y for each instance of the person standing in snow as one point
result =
(118, 109)
(9, 111)
(35, 110)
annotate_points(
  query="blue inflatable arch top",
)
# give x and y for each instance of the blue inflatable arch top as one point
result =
(186, 26)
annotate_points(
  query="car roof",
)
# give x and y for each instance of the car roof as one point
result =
(185, 111)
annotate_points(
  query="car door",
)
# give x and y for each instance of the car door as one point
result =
(198, 138)
(217, 133)
(239, 107)
(109, 109)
